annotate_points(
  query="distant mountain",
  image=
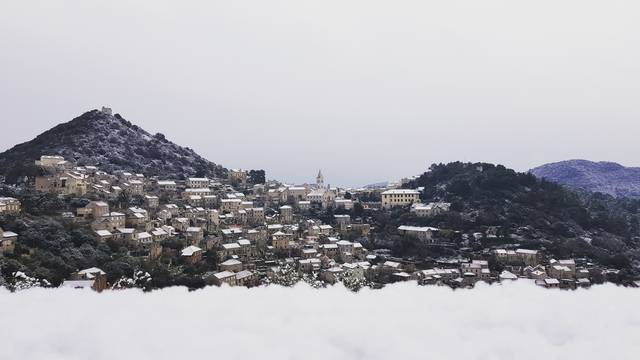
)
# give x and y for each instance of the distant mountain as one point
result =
(112, 143)
(604, 177)
(379, 185)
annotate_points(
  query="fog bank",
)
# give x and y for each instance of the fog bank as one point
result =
(510, 321)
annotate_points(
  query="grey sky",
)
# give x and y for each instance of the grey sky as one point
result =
(366, 90)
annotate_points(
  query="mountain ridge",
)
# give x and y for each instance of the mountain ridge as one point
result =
(112, 143)
(604, 176)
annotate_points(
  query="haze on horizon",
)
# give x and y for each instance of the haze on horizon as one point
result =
(366, 90)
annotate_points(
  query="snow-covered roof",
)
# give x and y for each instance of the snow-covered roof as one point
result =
(243, 274)
(231, 246)
(417, 228)
(8, 234)
(231, 262)
(91, 271)
(507, 275)
(401, 192)
(103, 233)
(190, 250)
(224, 274)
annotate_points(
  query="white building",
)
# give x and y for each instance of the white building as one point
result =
(399, 197)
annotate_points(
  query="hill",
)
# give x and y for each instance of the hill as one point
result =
(529, 210)
(604, 177)
(110, 142)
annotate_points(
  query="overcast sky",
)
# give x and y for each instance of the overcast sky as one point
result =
(512, 321)
(367, 90)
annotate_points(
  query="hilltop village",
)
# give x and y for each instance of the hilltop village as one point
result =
(245, 231)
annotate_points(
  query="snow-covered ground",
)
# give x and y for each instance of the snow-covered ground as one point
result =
(510, 321)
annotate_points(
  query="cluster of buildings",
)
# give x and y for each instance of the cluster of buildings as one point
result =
(246, 228)
(251, 232)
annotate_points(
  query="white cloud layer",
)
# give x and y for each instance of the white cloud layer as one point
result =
(512, 321)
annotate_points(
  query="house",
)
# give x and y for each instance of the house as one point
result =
(276, 196)
(528, 257)
(562, 269)
(286, 214)
(400, 276)
(506, 275)
(95, 209)
(423, 233)
(537, 272)
(196, 192)
(50, 161)
(325, 230)
(245, 278)
(104, 234)
(435, 275)
(309, 265)
(136, 216)
(343, 221)
(346, 204)
(431, 209)
(194, 235)
(246, 249)
(237, 176)
(399, 198)
(332, 275)
(297, 193)
(224, 277)
(173, 209)
(229, 250)
(304, 205)
(280, 241)
(67, 183)
(230, 205)
(321, 197)
(309, 253)
(136, 187)
(560, 272)
(181, 223)
(231, 234)
(255, 215)
(520, 256)
(166, 185)
(329, 250)
(9, 205)
(7, 241)
(548, 283)
(391, 266)
(126, 234)
(209, 201)
(194, 182)
(231, 265)
(192, 254)
(151, 201)
(159, 234)
(92, 278)
(478, 269)
(144, 238)
(110, 221)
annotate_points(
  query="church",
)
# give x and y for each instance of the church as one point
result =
(322, 195)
